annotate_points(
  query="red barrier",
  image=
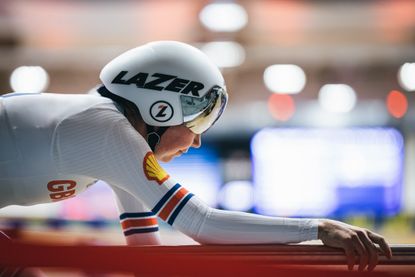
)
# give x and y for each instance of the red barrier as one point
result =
(244, 260)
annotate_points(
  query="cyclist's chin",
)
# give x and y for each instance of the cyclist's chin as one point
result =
(167, 157)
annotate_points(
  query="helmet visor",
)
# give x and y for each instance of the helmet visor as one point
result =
(201, 113)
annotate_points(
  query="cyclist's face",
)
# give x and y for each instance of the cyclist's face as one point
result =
(176, 141)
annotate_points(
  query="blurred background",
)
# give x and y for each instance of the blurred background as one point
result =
(321, 119)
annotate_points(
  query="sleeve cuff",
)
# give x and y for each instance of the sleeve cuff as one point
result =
(310, 229)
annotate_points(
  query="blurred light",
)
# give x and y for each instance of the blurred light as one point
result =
(39, 210)
(284, 78)
(224, 17)
(237, 196)
(397, 103)
(320, 172)
(281, 106)
(337, 98)
(406, 76)
(225, 53)
(29, 79)
(237, 167)
(353, 166)
(97, 202)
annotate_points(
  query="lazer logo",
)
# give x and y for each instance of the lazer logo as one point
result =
(162, 109)
(159, 81)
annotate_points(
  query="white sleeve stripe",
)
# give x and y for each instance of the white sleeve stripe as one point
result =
(137, 219)
(140, 228)
(173, 203)
(165, 198)
(179, 207)
(136, 215)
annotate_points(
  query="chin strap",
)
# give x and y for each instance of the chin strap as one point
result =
(154, 135)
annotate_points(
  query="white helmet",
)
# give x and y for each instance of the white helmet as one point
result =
(170, 83)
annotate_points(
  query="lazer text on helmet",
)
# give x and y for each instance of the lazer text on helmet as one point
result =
(159, 81)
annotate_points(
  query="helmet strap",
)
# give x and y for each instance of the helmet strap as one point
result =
(153, 135)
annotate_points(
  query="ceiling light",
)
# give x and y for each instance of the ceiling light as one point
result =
(406, 76)
(223, 17)
(284, 78)
(338, 98)
(29, 79)
(225, 53)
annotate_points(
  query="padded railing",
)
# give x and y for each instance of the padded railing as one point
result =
(194, 260)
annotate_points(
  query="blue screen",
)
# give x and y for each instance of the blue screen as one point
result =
(322, 172)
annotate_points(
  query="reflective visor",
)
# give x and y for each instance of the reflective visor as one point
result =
(201, 113)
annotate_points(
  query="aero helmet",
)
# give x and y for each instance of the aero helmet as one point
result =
(170, 82)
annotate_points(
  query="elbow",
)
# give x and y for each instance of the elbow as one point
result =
(207, 233)
(200, 236)
(197, 222)
(201, 241)
(205, 239)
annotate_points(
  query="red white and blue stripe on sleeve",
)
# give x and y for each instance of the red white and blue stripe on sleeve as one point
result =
(170, 205)
(135, 223)
(168, 208)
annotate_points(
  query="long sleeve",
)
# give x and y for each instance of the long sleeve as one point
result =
(229, 227)
(107, 147)
(138, 223)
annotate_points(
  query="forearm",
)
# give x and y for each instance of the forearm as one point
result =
(212, 226)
